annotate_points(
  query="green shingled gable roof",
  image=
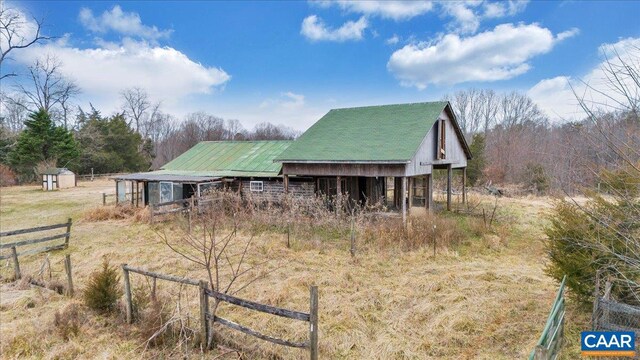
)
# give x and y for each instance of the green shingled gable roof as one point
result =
(229, 158)
(384, 133)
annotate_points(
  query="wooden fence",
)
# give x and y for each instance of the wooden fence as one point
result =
(207, 318)
(21, 243)
(14, 245)
(550, 343)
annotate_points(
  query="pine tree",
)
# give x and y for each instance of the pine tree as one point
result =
(42, 143)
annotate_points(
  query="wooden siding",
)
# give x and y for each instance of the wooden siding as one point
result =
(344, 169)
(273, 190)
(455, 154)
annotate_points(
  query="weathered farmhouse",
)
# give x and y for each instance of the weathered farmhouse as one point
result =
(246, 166)
(377, 153)
(380, 152)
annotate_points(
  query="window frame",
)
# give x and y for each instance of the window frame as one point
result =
(256, 182)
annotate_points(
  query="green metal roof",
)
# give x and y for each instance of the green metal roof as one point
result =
(229, 159)
(387, 133)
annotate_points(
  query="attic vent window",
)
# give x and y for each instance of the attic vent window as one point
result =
(256, 186)
(442, 140)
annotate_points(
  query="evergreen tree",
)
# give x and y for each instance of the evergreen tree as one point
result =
(109, 145)
(42, 143)
(476, 165)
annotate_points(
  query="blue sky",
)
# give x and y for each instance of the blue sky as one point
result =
(290, 62)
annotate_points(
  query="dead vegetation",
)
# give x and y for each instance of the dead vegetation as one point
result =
(484, 294)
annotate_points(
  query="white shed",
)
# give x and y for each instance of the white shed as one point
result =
(58, 178)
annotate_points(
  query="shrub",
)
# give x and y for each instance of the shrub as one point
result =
(602, 234)
(7, 176)
(103, 291)
(68, 321)
(536, 177)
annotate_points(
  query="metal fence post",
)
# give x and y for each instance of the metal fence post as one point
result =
(127, 294)
(16, 264)
(67, 269)
(204, 312)
(313, 323)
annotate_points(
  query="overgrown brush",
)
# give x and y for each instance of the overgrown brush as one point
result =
(103, 289)
(116, 212)
(69, 320)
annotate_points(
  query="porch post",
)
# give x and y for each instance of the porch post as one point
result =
(403, 199)
(144, 201)
(449, 176)
(464, 185)
(286, 183)
(117, 193)
(338, 186)
(410, 201)
(430, 191)
(425, 191)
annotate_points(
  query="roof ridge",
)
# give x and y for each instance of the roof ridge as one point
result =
(399, 104)
(243, 141)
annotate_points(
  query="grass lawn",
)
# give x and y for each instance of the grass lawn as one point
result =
(486, 298)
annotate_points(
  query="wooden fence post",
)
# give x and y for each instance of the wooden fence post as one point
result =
(313, 323)
(16, 264)
(153, 289)
(204, 312)
(127, 294)
(66, 238)
(104, 199)
(288, 235)
(353, 238)
(67, 269)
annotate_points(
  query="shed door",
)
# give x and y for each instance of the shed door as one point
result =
(49, 182)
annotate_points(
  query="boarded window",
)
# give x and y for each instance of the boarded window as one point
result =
(256, 186)
(442, 140)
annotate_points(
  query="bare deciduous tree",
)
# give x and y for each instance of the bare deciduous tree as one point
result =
(16, 33)
(49, 90)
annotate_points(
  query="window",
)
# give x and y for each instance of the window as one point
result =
(256, 186)
(166, 192)
(442, 140)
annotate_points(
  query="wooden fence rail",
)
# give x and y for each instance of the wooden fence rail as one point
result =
(182, 205)
(15, 254)
(66, 235)
(207, 318)
(550, 343)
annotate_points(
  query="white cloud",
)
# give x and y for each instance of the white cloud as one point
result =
(568, 34)
(556, 95)
(467, 15)
(287, 101)
(316, 30)
(498, 54)
(102, 71)
(124, 23)
(503, 8)
(396, 10)
(393, 40)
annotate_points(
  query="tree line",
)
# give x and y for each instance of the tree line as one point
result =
(514, 142)
(40, 128)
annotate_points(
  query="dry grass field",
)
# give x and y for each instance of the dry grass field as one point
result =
(486, 298)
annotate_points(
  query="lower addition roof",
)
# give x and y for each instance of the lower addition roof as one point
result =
(192, 176)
